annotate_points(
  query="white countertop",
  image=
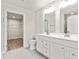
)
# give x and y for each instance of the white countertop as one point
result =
(72, 37)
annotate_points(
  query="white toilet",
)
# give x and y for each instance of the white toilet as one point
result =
(32, 44)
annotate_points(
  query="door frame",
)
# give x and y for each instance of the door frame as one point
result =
(6, 24)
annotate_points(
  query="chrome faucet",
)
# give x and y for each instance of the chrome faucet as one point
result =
(67, 34)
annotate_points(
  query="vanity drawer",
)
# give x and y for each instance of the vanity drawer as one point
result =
(46, 43)
(43, 45)
(46, 52)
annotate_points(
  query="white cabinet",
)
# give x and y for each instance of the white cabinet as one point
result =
(43, 46)
(73, 53)
(67, 53)
(56, 48)
(63, 51)
(57, 51)
(39, 45)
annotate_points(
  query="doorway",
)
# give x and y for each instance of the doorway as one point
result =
(14, 31)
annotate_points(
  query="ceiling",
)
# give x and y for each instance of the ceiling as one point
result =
(30, 4)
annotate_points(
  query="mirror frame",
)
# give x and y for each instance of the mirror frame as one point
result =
(65, 20)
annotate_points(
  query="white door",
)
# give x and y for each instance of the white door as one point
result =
(67, 52)
(57, 51)
(73, 53)
(39, 45)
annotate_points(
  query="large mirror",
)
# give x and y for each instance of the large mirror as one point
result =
(69, 18)
(50, 22)
(49, 19)
(62, 17)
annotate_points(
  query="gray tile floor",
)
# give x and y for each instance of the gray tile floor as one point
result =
(24, 53)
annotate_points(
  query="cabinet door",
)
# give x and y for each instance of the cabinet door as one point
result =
(67, 52)
(46, 48)
(39, 45)
(73, 53)
(57, 52)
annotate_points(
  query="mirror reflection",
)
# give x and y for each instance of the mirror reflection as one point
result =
(62, 17)
(50, 18)
(69, 17)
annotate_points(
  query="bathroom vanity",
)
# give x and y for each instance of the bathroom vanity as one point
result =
(57, 46)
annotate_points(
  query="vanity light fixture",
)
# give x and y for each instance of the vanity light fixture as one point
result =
(49, 10)
(65, 3)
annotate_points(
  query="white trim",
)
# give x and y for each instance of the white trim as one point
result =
(6, 26)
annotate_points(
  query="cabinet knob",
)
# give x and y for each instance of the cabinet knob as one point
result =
(42, 41)
(73, 54)
(46, 44)
(62, 48)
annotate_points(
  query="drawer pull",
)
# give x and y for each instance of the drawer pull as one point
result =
(62, 48)
(46, 44)
(42, 41)
(73, 54)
